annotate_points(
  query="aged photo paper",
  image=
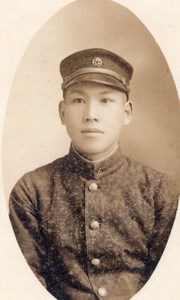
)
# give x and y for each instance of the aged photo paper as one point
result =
(20, 22)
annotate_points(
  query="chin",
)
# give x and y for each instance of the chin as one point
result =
(92, 149)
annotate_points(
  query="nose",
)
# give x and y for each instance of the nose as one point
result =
(91, 113)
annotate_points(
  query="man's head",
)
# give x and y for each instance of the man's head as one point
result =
(96, 100)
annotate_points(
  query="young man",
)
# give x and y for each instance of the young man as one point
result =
(93, 224)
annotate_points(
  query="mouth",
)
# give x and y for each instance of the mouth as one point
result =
(91, 130)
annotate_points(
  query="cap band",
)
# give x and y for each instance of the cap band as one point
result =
(121, 78)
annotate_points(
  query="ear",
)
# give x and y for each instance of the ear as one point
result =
(62, 111)
(128, 112)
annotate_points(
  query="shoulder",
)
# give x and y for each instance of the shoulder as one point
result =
(143, 171)
(41, 176)
(149, 178)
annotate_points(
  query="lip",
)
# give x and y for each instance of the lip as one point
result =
(91, 130)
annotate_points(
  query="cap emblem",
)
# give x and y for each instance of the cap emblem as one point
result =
(97, 62)
(123, 79)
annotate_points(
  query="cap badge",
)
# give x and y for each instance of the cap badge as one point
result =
(97, 62)
(123, 79)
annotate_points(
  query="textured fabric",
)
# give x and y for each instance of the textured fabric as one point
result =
(52, 210)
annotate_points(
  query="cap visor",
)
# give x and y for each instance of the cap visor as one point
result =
(98, 78)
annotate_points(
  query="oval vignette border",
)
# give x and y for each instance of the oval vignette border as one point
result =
(49, 297)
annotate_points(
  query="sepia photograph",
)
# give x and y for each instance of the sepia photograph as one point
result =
(90, 152)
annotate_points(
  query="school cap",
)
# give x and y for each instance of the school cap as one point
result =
(96, 65)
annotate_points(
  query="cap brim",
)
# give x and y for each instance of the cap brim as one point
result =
(98, 78)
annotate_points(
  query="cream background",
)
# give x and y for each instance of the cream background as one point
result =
(20, 22)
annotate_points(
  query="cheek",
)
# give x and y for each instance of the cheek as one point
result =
(115, 119)
(72, 123)
(72, 117)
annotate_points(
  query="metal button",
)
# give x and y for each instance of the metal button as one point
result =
(93, 187)
(95, 261)
(94, 225)
(102, 292)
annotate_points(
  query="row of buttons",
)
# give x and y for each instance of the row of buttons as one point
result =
(93, 187)
(94, 224)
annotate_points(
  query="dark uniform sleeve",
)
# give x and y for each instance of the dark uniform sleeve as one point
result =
(24, 220)
(166, 202)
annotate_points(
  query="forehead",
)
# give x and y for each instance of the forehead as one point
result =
(91, 87)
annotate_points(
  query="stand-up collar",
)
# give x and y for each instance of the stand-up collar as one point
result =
(91, 170)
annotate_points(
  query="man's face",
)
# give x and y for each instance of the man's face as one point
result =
(94, 115)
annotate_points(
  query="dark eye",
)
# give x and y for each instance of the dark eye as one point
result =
(106, 100)
(78, 100)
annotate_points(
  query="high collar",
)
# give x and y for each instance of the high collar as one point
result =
(90, 170)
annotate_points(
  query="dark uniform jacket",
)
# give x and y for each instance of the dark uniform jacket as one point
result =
(93, 231)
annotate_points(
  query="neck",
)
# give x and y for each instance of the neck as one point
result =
(98, 160)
